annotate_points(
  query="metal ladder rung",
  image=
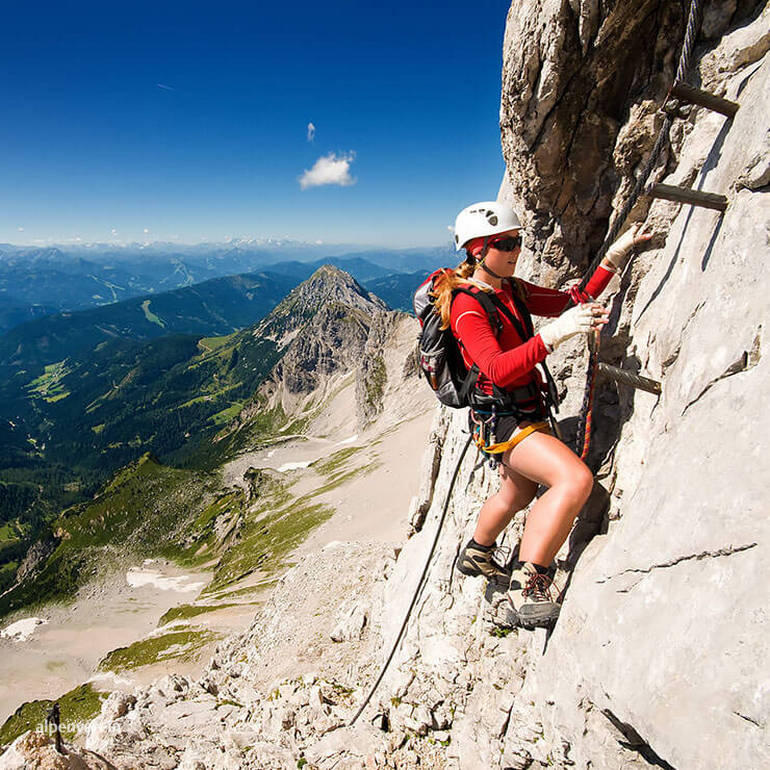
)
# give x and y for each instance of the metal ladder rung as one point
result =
(629, 378)
(692, 95)
(686, 195)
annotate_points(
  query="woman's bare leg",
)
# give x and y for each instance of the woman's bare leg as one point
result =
(516, 492)
(543, 459)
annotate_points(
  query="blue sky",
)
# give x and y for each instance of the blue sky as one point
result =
(190, 120)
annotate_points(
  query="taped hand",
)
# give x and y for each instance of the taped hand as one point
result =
(617, 255)
(582, 318)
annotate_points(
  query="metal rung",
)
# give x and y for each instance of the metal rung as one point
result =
(629, 378)
(686, 195)
(691, 95)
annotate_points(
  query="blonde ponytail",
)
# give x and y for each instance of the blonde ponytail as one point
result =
(445, 284)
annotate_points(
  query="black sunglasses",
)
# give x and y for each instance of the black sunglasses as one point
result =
(509, 243)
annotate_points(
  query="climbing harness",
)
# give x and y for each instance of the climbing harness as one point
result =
(679, 92)
(484, 433)
(420, 584)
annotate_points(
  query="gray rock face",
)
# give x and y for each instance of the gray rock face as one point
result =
(668, 593)
(571, 71)
(657, 657)
(371, 377)
(581, 86)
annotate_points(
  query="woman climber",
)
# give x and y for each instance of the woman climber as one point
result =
(507, 403)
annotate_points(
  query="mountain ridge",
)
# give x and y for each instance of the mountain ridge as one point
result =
(65, 281)
(215, 307)
(173, 395)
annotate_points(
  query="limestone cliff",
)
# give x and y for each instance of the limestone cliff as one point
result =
(657, 657)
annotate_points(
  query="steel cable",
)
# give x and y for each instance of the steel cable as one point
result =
(419, 585)
(583, 436)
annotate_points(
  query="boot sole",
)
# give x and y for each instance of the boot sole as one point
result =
(541, 619)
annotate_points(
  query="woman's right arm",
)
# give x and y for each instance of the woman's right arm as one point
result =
(471, 327)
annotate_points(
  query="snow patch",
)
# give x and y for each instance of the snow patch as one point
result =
(347, 440)
(110, 677)
(293, 466)
(21, 630)
(138, 578)
(174, 625)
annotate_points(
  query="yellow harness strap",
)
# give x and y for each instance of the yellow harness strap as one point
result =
(504, 446)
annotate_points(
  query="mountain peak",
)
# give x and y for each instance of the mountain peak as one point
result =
(331, 279)
(328, 286)
(323, 327)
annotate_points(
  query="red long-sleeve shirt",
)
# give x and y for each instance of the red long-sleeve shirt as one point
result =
(507, 360)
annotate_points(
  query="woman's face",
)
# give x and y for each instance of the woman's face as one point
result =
(503, 252)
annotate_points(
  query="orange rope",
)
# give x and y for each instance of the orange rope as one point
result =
(588, 406)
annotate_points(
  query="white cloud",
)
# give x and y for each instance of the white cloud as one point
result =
(329, 169)
(165, 87)
(20, 229)
(146, 231)
(114, 231)
(310, 132)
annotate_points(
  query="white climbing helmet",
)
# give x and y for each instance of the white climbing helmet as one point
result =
(482, 219)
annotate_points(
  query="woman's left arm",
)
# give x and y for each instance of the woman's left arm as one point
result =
(551, 302)
(615, 260)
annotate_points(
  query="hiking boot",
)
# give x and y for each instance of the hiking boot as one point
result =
(532, 596)
(477, 559)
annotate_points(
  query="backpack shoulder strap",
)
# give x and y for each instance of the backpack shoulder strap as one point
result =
(486, 302)
(524, 331)
(519, 294)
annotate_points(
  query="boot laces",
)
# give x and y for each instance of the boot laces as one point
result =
(539, 588)
(500, 555)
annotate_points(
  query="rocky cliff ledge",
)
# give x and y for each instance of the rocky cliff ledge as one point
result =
(660, 656)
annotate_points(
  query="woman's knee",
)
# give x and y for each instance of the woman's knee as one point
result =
(513, 500)
(581, 482)
(574, 484)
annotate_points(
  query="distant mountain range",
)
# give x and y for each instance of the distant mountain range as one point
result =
(215, 307)
(36, 282)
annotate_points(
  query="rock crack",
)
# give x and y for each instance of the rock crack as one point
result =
(727, 551)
